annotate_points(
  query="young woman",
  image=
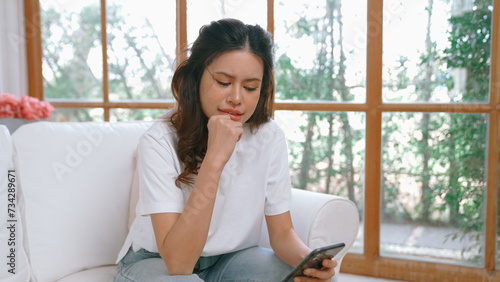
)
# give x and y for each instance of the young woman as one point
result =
(213, 168)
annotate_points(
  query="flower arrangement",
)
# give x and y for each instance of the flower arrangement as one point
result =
(28, 108)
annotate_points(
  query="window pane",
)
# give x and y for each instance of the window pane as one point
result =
(433, 180)
(135, 114)
(202, 12)
(437, 51)
(320, 50)
(326, 154)
(71, 49)
(81, 114)
(141, 49)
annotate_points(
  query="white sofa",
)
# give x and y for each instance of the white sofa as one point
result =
(69, 198)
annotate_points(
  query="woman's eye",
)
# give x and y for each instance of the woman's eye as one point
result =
(251, 88)
(223, 83)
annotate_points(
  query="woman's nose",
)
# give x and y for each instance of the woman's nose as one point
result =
(234, 96)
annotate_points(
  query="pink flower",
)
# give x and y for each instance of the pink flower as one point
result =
(28, 108)
(9, 106)
(46, 109)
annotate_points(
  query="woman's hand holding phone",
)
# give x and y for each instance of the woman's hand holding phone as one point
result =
(319, 265)
(324, 274)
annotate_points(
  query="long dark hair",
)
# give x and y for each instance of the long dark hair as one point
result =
(189, 119)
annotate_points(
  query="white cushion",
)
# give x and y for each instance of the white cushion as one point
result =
(98, 274)
(75, 179)
(134, 194)
(14, 264)
(332, 220)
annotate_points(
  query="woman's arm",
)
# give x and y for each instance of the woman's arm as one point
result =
(286, 243)
(290, 248)
(181, 237)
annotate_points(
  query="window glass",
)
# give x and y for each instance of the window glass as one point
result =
(437, 51)
(327, 153)
(71, 49)
(433, 186)
(77, 114)
(202, 12)
(141, 49)
(135, 114)
(320, 50)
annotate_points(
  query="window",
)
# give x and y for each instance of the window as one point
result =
(433, 183)
(393, 104)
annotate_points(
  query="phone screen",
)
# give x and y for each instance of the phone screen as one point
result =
(315, 259)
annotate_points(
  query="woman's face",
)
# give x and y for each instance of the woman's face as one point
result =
(231, 85)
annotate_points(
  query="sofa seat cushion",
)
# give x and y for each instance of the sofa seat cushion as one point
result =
(101, 274)
(75, 181)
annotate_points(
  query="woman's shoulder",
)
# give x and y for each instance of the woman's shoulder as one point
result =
(267, 133)
(270, 127)
(161, 129)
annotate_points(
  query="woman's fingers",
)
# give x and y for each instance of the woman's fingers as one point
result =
(324, 274)
(223, 134)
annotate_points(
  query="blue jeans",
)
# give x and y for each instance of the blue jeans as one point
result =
(252, 264)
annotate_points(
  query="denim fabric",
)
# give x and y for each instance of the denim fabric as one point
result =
(253, 264)
(146, 266)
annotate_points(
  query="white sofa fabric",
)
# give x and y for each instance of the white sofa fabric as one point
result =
(76, 197)
(15, 267)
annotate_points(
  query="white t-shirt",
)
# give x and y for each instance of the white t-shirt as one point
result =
(255, 182)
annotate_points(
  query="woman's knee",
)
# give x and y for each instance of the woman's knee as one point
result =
(253, 264)
(148, 269)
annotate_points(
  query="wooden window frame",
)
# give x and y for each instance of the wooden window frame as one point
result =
(370, 262)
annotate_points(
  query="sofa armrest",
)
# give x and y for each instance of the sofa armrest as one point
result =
(322, 219)
(11, 234)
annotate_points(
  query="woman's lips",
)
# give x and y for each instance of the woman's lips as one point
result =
(235, 115)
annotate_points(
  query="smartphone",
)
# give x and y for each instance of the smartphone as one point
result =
(315, 259)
